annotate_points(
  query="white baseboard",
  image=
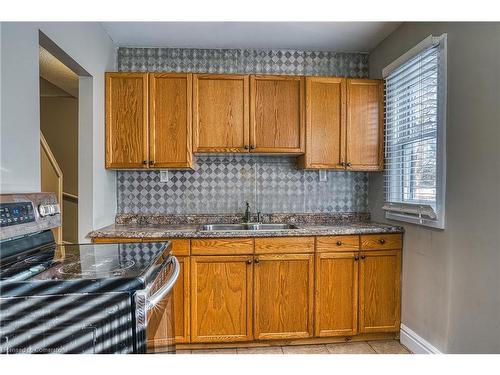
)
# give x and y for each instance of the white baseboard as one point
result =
(415, 343)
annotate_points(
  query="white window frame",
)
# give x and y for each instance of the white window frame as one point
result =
(415, 213)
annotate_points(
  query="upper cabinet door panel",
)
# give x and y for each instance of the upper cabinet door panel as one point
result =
(365, 124)
(170, 120)
(126, 120)
(220, 113)
(325, 122)
(277, 114)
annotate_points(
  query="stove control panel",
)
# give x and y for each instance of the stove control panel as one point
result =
(16, 213)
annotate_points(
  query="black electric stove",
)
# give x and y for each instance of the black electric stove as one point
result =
(78, 298)
(83, 268)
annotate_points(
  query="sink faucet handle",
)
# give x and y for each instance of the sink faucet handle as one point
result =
(258, 216)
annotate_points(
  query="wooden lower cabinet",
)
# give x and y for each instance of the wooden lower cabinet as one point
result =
(335, 287)
(336, 303)
(181, 302)
(283, 296)
(380, 291)
(221, 298)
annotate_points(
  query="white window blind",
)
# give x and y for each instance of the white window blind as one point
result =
(414, 128)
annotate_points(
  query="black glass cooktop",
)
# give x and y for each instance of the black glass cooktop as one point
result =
(85, 267)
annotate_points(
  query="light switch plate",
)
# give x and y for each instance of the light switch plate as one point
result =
(322, 176)
(163, 176)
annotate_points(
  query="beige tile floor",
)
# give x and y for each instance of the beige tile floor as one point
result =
(362, 347)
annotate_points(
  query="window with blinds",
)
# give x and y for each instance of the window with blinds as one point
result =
(414, 128)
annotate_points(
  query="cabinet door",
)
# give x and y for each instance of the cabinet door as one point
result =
(365, 124)
(336, 304)
(220, 114)
(126, 120)
(277, 114)
(283, 296)
(170, 120)
(325, 123)
(221, 298)
(181, 302)
(380, 291)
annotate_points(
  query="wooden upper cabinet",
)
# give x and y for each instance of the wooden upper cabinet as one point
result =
(336, 303)
(283, 296)
(380, 291)
(126, 120)
(170, 120)
(220, 113)
(325, 123)
(221, 298)
(277, 114)
(365, 129)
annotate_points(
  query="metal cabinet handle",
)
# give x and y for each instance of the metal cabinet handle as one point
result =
(252, 147)
(339, 243)
(144, 162)
(348, 164)
(246, 147)
(382, 241)
(249, 261)
(151, 162)
(342, 163)
(363, 256)
(356, 257)
(256, 260)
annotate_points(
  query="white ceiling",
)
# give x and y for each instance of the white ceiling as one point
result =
(320, 36)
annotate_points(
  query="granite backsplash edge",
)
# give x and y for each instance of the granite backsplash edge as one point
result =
(235, 218)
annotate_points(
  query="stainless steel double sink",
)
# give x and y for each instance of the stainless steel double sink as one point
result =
(250, 226)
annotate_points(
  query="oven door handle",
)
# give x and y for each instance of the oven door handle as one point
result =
(165, 289)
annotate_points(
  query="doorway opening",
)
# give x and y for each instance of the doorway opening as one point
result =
(59, 140)
(60, 78)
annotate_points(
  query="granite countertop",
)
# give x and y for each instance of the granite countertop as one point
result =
(194, 231)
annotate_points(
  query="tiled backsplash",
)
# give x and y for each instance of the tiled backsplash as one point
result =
(222, 183)
(243, 61)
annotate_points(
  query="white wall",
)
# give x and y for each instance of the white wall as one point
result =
(89, 46)
(451, 282)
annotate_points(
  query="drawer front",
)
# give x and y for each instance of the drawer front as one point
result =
(330, 244)
(381, 242)
(222, 246)
(289, 245)
(180, 247)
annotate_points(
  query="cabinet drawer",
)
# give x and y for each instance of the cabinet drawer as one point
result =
(337, 243)
(222, 246)
(180, 247)
(381, 241)
(290, 245)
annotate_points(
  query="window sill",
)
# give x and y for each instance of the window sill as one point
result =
(437, 224)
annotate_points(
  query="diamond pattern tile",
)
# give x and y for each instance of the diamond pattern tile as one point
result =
(258, 61)
(223, 183)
